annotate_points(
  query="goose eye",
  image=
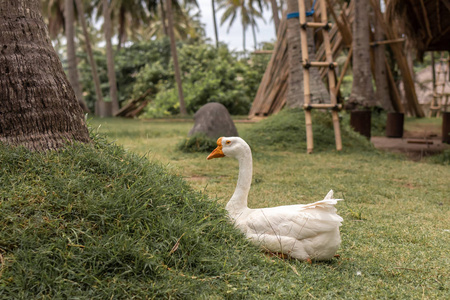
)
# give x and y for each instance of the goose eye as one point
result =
(228, 142)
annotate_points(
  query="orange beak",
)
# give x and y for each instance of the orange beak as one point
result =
(217, 152)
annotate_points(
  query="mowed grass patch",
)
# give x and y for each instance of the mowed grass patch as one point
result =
(395, 234)
(93, 222)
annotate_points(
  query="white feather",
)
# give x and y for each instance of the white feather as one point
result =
(303, 231)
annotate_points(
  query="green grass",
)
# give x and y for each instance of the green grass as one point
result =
(128, 214)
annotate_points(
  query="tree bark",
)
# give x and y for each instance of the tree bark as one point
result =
(215, 22)
(71, 53)
(176, 66)
(295, 97)
(319, 93)
(96, 78)
(39, 109)
(382, 92)
(243, 38)
(276, 18)
(362, 93)
(255, 42)
(110, 58)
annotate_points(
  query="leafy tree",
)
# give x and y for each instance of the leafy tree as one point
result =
(210, 75)
(248, 14)
(187, 24)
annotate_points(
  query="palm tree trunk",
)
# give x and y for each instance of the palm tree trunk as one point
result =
(122, 33)
(163, 18)
(254, 35)
(243, 38)
(71, 52)
(98, 91)
(110, 58)
(382, 91)
(176, 66)
(276, 18)
(39, 109)
(362, 90)
(215, 22)
(295, 95)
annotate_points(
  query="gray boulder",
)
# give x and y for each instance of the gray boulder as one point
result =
(213, 120)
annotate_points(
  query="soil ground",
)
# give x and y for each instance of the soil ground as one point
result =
(416, 143)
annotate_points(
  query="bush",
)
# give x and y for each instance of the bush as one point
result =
(209, 75)
(197, 142)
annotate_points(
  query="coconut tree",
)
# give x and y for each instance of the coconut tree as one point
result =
(99, 104)
(248, 14)
(254, 14)
(72, 70)
(186, 24)
(232, 8)
(171, 7)
(362, 93)
(61, 18)
(39, 109)
(128, 16)
(295, 96)
(275, 15)
(107, 27)
(382, 90)
(213, 4)
(173, 49)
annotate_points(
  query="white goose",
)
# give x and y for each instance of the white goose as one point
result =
(306, 232)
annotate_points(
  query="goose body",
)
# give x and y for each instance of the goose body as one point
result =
(303, 231)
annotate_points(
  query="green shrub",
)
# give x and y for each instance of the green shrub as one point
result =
(197, 142)
(209, 75)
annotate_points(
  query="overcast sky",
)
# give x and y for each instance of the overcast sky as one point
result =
(233, 38)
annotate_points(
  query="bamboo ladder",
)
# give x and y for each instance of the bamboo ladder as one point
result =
(308, 106)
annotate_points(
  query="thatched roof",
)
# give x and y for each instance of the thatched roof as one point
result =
(425, 22)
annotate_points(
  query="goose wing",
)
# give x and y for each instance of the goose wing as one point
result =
(296, 221)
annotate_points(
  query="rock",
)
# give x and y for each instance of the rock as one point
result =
(213, 120)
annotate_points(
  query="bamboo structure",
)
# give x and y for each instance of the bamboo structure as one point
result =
(271, 96)
(331, 76)
(272, 92)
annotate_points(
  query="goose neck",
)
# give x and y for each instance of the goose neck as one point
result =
(238, 201)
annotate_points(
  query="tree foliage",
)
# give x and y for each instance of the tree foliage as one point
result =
(209, 75)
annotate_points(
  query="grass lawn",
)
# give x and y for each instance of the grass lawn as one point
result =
(396, 230)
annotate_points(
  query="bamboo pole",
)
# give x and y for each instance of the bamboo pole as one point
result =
(307, 92)
(331, 77)
(408, 81)
(344, 68)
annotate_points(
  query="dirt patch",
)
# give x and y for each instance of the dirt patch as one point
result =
(415, 144)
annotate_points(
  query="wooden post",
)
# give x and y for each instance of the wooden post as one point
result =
(328, 63)
(307, 92)
(331, 77)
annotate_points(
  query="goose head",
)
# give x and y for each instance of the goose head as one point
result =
(230, 146)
